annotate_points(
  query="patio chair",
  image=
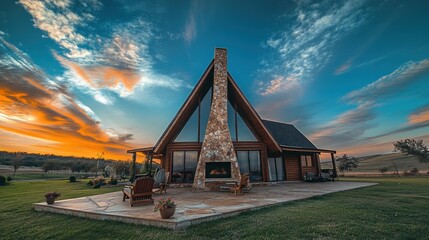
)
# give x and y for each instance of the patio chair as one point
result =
(242, 186)
(312, 177)
(162, 187)
(140, 192)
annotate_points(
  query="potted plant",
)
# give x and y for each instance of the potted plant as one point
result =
(166, 207)
(51, 196)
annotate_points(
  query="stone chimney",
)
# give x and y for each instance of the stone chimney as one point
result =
(217, 145)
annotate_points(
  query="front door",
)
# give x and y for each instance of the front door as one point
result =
(293, 167)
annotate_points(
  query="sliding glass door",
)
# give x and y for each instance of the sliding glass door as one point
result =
(276, 169)
(184, 166)
(250, 162)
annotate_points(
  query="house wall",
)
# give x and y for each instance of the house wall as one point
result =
(238, 146)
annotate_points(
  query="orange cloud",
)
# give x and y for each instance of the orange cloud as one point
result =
(37, 115)
(99, 77)
(419, 117)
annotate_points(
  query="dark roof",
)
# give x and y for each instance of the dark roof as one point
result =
(287, 135)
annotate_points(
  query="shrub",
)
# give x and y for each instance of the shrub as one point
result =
(113, 181)
(9, 178)
(72, 179)
(52, 195)
(2, 180)
(97, 182)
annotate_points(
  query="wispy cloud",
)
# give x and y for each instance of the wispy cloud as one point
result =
(117, 64)
(34, 106)
(190, 29)
(350, 127)
(420, 115)
(60, 23)
(305, 46)
(389, 84)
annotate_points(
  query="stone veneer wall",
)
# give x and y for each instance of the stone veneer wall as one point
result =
(217, 145)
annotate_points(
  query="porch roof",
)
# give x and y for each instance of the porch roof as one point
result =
(144, 149)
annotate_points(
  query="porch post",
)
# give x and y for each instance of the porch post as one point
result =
(334, 165)
(150, 163)
(133, 167)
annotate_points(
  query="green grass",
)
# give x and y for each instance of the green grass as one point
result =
(397, 208)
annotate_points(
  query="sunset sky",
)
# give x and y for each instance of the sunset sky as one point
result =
(85, 77)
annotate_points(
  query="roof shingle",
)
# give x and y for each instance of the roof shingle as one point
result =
(287, 135)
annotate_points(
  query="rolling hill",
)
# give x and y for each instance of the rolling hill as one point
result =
(371, 164)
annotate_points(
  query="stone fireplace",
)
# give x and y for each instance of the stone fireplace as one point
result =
(217, 145)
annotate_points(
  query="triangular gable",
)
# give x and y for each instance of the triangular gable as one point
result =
(247, 112)
(186, 110)
(251, 116)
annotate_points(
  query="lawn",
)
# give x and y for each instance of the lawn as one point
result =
(397, 208)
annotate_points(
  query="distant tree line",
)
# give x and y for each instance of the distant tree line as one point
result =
(49, 162)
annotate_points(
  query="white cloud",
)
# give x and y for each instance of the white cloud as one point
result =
(350, 127)
(118, 62)
(390, 83)
(190, 30)
(304, 47)
(60, 23)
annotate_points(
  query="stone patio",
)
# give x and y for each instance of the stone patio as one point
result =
(193, 207)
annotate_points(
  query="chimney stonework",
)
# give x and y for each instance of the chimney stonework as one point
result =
(217, 145)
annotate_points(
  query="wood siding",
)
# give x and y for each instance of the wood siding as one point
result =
(293, 166)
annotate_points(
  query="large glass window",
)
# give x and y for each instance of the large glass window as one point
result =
(250, 162)
(306, 160)
(184, 166)
(276, 169)
(205, 106)
(243, 132)
(189, 132)
(237, 127)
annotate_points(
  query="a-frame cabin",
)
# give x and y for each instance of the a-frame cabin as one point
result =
(217, 135)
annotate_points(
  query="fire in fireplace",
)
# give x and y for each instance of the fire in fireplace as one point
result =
(218, 170)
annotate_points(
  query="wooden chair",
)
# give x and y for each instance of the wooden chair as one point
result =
(140, 192)
(163, 186)
(243, 185)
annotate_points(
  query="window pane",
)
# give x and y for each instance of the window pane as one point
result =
(243, 161)
(272, 169)
(189, 133)
(255, 166)
(204, 113)
(303, 161)
(178, 166)
(244, 133)
(231, 121)
(280, 169)
(309, 162)
(191, 159)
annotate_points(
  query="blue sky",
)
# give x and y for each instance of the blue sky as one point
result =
(110, 75)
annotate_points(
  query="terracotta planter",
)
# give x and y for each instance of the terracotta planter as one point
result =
(167, 213)
(50, 200)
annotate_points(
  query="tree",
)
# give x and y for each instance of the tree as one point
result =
(76, 167)
(346, 163)
(383, 170)
(48, 166)
(16, 163)
(413, 147)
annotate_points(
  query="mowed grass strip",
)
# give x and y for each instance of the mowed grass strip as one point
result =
(397, 208)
